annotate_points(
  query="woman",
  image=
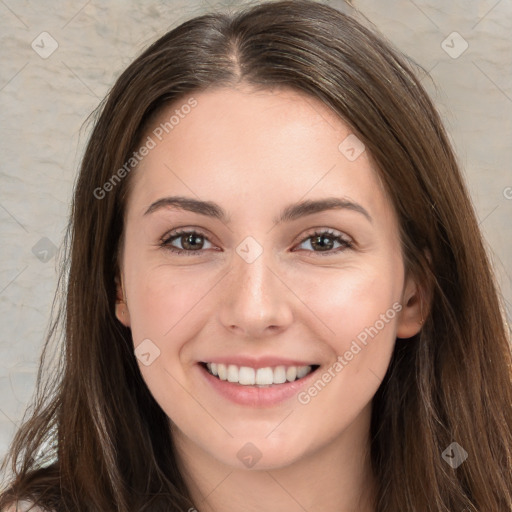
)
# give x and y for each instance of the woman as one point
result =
(278, 296)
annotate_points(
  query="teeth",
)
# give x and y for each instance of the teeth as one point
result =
(264, 376)
(291, 373)
(248, 376)
(279, 374)
(223, 373)
(302, 371)
(232, 373)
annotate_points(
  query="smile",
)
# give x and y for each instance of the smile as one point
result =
(260, 377)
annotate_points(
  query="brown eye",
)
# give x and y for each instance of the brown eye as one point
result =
(325, 242)
(190, 242)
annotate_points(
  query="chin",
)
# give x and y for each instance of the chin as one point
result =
(259, 453)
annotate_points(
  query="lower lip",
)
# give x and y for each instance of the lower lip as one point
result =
(254, 396)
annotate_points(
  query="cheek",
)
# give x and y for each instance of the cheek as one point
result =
(168, 307)
(168, 304)
(160, 303)
(356, 310)
(347, 300)
(358, 307)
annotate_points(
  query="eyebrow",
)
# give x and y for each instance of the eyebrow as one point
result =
(288, 214)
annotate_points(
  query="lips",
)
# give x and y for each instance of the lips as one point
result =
(262, 383)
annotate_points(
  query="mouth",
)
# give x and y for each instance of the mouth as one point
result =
(265, 377)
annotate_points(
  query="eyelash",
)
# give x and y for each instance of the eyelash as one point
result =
(345, 244)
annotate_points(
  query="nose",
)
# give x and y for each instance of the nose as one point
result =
(256, 300)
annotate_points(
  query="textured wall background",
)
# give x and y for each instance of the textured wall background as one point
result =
(60, 58)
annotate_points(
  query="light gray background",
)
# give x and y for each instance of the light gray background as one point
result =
(44, 102)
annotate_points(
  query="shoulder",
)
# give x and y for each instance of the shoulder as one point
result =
(21, 495)
(23, 506)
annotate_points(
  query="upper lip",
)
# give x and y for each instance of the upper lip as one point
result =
(258, 362)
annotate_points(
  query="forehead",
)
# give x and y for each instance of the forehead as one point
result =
(259, 146)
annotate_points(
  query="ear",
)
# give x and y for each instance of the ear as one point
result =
(414, 310)
(122, 312)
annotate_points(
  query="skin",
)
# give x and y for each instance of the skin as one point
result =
(253, 153)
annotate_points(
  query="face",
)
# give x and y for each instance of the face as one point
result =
(280, 271)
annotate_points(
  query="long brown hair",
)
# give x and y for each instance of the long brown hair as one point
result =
(96, 439)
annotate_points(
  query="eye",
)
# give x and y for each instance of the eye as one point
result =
(192, 242)
(323, 242)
